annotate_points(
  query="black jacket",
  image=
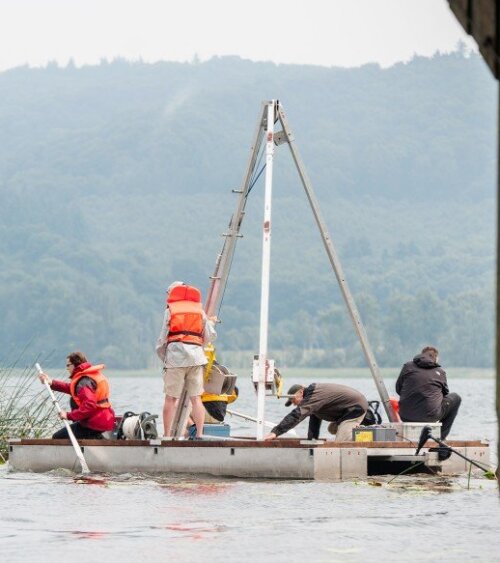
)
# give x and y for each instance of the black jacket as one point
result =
(324, 401)
(421, 385)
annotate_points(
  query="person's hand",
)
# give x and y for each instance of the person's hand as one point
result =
(213, 318)
(43, 377)
(270, 436)
(63, 415)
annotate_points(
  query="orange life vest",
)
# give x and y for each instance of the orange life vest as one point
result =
(186, 315)
(102, 389)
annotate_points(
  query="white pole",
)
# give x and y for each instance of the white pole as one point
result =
(267, 423)
(74, 443)
(266, 258)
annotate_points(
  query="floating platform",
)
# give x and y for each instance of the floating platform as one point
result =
(246, 458)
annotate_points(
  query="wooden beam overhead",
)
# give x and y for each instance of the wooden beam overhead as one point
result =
(480, 18)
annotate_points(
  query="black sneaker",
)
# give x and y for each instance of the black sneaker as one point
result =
(443, 452)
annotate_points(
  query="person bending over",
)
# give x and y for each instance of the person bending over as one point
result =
(342, 406)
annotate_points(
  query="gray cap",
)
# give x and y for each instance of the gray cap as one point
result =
(174, 284)
(293, 389)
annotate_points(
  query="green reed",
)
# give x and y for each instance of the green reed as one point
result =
(26, 410)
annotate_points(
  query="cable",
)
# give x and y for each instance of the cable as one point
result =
(252, 184)
(253, 179)
(405, 471)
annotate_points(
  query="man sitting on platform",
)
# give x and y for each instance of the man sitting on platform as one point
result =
(424, 393)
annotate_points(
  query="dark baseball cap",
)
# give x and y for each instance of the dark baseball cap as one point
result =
(293, 389)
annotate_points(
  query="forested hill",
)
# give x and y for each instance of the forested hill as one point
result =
(116, 179)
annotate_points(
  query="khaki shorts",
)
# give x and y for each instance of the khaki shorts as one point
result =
(343, 431)
(174, 379)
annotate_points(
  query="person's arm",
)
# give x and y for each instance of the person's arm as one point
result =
(290, 421)
(445, 385)
(314, 427)
(60, 386)
(399, 382)
(209, 333)
(88, 404)
(161, 343)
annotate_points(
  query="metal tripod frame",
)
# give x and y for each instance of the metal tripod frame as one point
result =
(224, 260)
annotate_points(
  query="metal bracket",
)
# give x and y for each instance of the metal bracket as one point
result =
(280, 137)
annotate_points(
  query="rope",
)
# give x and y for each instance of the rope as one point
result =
(210, 354)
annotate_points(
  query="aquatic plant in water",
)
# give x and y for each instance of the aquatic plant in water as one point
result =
(26, 410)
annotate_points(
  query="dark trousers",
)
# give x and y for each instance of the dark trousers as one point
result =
(449, 410)
(80, 432)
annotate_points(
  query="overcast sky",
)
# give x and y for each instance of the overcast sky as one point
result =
(323, 32)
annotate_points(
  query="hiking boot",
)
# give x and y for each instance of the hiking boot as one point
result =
(443, 452)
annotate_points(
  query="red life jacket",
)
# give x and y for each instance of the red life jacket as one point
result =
(186, 315)
(102, 389)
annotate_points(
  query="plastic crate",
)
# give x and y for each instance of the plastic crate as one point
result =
(221, 429)
(410, 431)
(373, 433)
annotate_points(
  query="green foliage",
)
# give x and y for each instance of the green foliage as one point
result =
(115, 180)
(26, 410)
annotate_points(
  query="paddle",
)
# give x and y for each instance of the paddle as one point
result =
(78, 451)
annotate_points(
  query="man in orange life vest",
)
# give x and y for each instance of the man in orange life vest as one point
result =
(91, 413)
(185, 330)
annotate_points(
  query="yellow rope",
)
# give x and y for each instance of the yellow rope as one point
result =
(210, 354)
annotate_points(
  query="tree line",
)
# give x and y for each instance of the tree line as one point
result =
(116, 179)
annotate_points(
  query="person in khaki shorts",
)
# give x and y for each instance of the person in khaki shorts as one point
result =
(185, 330)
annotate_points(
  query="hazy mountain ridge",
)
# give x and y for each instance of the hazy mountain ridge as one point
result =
(116, 179)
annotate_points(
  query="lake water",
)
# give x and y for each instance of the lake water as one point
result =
(49, 517)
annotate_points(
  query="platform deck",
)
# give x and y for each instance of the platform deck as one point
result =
(239, 457)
